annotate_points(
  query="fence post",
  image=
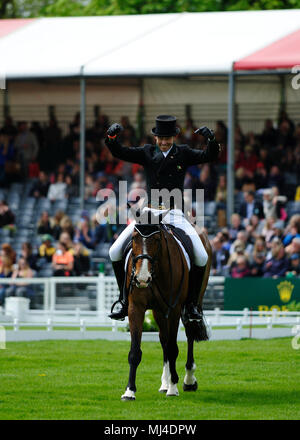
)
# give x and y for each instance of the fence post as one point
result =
(16, 324)
(46, 294)
(209, 326)
(217, 314)
(101, 296)
(239, 324)
(49, 325)
(269, 323)
(245, 315)
(52, 294)
(82, 325)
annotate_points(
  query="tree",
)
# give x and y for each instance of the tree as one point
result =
(63, 8)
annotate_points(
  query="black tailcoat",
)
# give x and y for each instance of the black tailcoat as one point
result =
(160, 171)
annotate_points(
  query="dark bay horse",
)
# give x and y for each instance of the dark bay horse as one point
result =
(157, 278)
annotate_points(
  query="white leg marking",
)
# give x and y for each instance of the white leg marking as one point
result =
(189, 378)
(128, 395)
(165, 378)
(172, 390)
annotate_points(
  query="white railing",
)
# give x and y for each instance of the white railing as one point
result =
(50, 318)
(106, 289)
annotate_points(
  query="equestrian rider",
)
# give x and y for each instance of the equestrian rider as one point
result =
(165, 166)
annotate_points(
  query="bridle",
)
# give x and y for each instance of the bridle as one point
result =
(145, 256)
(164, 231)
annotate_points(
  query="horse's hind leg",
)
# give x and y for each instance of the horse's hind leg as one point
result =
(136, 319)
(190, 382)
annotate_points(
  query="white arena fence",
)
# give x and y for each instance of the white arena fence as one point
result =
(63, 305)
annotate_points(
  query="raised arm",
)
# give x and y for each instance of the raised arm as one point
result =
(212, 152)
(129, 154)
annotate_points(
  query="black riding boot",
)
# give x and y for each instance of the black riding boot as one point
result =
(191, 312)
(118, 267)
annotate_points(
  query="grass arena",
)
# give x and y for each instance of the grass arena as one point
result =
(237, 380)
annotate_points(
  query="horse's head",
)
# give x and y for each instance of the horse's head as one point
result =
(146, 245)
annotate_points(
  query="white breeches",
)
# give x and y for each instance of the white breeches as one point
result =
(174, 217)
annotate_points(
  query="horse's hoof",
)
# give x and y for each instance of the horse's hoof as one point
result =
(125, 398)
(128, 395)
(162, 390)
(173, 394)
(192, 387)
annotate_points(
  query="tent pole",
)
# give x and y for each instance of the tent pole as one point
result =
(230, 147)
(82, 138)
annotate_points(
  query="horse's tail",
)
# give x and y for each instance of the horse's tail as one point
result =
(196, 330)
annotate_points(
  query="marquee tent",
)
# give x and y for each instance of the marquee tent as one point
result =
(158, 45)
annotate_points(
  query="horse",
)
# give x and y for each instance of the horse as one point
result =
(157, 278)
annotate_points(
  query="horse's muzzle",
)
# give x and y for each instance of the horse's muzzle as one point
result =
(142, 284)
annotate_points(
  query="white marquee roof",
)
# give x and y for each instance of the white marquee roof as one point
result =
(154, 45)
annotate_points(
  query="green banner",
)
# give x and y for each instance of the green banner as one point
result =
(260, 293)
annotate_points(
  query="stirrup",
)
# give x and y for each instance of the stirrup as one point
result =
(121, 314)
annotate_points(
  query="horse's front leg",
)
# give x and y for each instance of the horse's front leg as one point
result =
(136, 314)
(190, 382)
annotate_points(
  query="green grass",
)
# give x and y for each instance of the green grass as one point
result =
(247, 379)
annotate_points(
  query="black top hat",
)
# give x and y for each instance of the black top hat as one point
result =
(165, 126)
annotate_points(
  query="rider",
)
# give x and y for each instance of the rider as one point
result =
(165, 165)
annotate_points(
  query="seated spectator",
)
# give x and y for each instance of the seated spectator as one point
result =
(238, 250)
(276, 178)
(294, 233)
(22, 270)
(27, 147)
(219, 256)
(98, 230)
(257, 265)
(71, 189)
(55, 224)
(57, 190)
(268, 229)
(28, 255)
(242, 237)
(235, 226)
(250, 206)
(40, 188)
(205, 182)
(254, 228)
(277, 265)
(84, 234)
(66, 239)
(7, 259)
(81, 259)
(261, 176)
(62, 261)
(47, 250)
(294, 265)
(293, 247)
(7, 217)
(220, 199)
(223, 235)
(66, 225)
(44, 225)
(241, 268)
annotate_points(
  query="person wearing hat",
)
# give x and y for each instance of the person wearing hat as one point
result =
(47, 250)
(165, 165)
